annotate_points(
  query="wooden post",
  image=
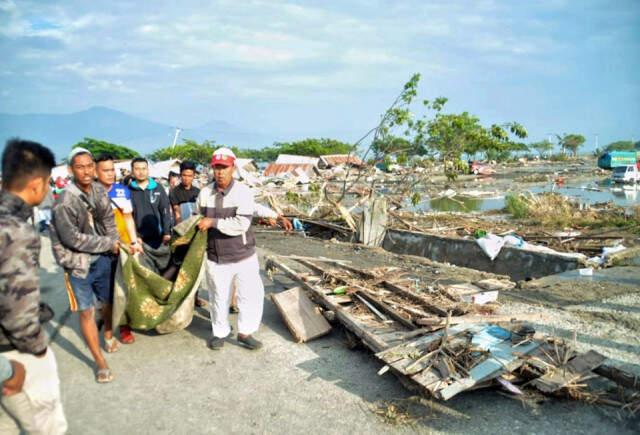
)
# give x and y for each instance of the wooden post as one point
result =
(373, 224)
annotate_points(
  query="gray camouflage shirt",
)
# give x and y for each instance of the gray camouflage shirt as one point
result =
(19, 278)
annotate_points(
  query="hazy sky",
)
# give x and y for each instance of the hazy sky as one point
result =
(327, 68)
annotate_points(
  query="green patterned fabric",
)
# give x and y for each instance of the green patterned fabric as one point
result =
(144, 299)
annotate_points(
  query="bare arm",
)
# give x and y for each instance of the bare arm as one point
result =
(176, 213)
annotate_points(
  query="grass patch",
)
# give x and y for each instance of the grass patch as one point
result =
(553, 210)
(516, 206)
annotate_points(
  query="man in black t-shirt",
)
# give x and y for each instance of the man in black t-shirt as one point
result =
(183, 196)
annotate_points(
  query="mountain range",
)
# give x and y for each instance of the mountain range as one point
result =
(60, 131)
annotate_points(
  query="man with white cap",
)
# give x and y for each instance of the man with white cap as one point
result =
(227, 206)
(85, 241)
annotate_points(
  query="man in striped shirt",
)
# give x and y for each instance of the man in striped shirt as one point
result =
(228, 206)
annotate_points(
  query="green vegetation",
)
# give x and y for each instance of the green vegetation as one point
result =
(543, 147)
(552, 210)
(98, 147)
(187, 150)
(445, 135)
(516, 206)
(310, 147)
(201, 152)
(193, 151)
(558, 157)
(623, 145)
(571, 142)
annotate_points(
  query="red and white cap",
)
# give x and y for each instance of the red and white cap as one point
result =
(223, 157)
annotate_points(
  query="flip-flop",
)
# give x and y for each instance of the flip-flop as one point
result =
(104, 376)
(111, 345)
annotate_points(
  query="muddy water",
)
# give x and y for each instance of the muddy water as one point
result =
(588, 192)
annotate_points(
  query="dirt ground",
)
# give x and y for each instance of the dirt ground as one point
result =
(174, 384)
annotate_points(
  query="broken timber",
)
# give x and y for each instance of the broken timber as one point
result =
(448, 354)
(300, 314)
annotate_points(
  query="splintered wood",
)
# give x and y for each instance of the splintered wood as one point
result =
(444, 337)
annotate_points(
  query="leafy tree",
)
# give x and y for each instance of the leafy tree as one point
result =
(187, 150)
(313, 147)
(571, 142)
(307, 147)
(98, 147)
(446, 135)
(542, 147)
(398, 146)
(453, 134)
(621, 145)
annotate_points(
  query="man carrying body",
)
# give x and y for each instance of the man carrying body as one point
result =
(183, 196)
(86, 244)
(227, 206)
(120, 198)
(26, 171)
(150, 206)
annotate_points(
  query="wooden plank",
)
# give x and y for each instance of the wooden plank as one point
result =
(403, 355)
(478, 318)
(558, 378)
(367, 297)
(502, 358)
(415, 297)
(340, 299)
(495, 284)
(472, 294)
(301, 316)
(619, 376)
(586, 362)
(390, 311)
(347, 319)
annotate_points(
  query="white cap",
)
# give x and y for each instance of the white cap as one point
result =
(78, 150)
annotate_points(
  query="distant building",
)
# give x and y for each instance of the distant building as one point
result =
(333, 160)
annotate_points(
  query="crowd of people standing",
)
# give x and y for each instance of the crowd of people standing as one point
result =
(92, 220)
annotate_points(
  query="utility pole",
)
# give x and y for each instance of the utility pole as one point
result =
(175, 137)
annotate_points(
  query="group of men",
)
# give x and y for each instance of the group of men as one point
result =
(92, 220)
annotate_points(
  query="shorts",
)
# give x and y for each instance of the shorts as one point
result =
(98, 283)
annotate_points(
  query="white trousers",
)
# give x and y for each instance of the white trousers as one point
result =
(37, 409)
(250, 291)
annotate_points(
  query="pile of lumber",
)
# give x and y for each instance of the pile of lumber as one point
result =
(441, 338)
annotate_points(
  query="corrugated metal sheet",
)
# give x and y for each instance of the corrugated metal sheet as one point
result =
(288, 159)
(275, 169)
(341, 159)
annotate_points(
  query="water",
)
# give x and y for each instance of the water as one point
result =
(621, 195)
(461, 204)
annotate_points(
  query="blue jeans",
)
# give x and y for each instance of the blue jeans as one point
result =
(99, 282)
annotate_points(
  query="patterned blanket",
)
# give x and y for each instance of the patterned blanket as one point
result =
(145, 300)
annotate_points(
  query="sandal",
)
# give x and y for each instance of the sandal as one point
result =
(104, 376)
(111, 345)
(126, 336)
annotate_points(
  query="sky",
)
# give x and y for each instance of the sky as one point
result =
(328, 68)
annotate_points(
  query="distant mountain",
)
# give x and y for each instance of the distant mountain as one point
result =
(228, 134)
(60, 131)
